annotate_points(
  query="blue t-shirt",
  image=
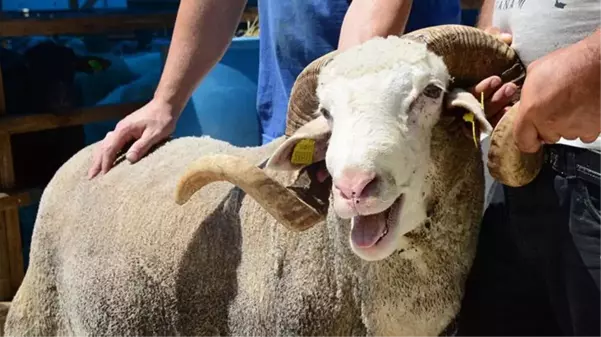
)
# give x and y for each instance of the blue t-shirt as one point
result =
(295, 32)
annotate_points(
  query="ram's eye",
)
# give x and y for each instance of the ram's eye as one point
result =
(432, 91)
(326, 113)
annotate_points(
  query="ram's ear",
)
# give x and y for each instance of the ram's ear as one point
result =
(464, 102)
(306, 146)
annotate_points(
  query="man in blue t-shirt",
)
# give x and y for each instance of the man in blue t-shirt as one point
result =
(292, 34)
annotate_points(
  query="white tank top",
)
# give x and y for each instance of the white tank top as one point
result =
(542, 26)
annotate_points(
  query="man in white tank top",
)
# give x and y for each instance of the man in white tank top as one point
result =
(537, 267)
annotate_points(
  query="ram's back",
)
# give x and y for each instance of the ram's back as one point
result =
(133, 205)
(117, 255)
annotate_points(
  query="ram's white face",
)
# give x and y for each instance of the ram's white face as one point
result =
(381, 109)
(379, 103)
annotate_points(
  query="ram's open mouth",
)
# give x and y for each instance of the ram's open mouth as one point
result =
(369, 230)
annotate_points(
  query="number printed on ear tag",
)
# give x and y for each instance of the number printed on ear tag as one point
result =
(303, 152)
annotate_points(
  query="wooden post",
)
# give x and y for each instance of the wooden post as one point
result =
(11, 254)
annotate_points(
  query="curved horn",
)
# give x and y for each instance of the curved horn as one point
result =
(280, 202)
(303, 104)
(506, 163)
(461, 47)
(470, 55)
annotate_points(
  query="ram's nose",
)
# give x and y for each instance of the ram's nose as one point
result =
(353, 182)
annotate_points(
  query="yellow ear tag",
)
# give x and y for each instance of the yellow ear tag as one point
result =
(303, 152)
(469, 117)
(482, 101)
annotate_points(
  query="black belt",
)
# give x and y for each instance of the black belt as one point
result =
(572, 162)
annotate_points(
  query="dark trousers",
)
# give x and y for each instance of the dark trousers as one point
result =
(536, 271)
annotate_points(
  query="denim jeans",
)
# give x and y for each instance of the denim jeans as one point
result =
(536, 271)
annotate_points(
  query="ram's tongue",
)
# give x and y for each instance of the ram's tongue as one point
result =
(367, 229)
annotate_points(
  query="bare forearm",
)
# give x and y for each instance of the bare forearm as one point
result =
(589, 50)
(202, 34)
(366, 19)
(592, 44)
(485, 16)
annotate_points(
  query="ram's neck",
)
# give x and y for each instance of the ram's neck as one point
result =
(401, 294)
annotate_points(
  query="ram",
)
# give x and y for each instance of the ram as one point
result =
(362, 221)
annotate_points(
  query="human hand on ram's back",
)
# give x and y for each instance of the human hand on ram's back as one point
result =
(146, 126)
(497, 95)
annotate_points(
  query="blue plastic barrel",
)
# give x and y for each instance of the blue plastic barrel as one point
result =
(224, 104)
